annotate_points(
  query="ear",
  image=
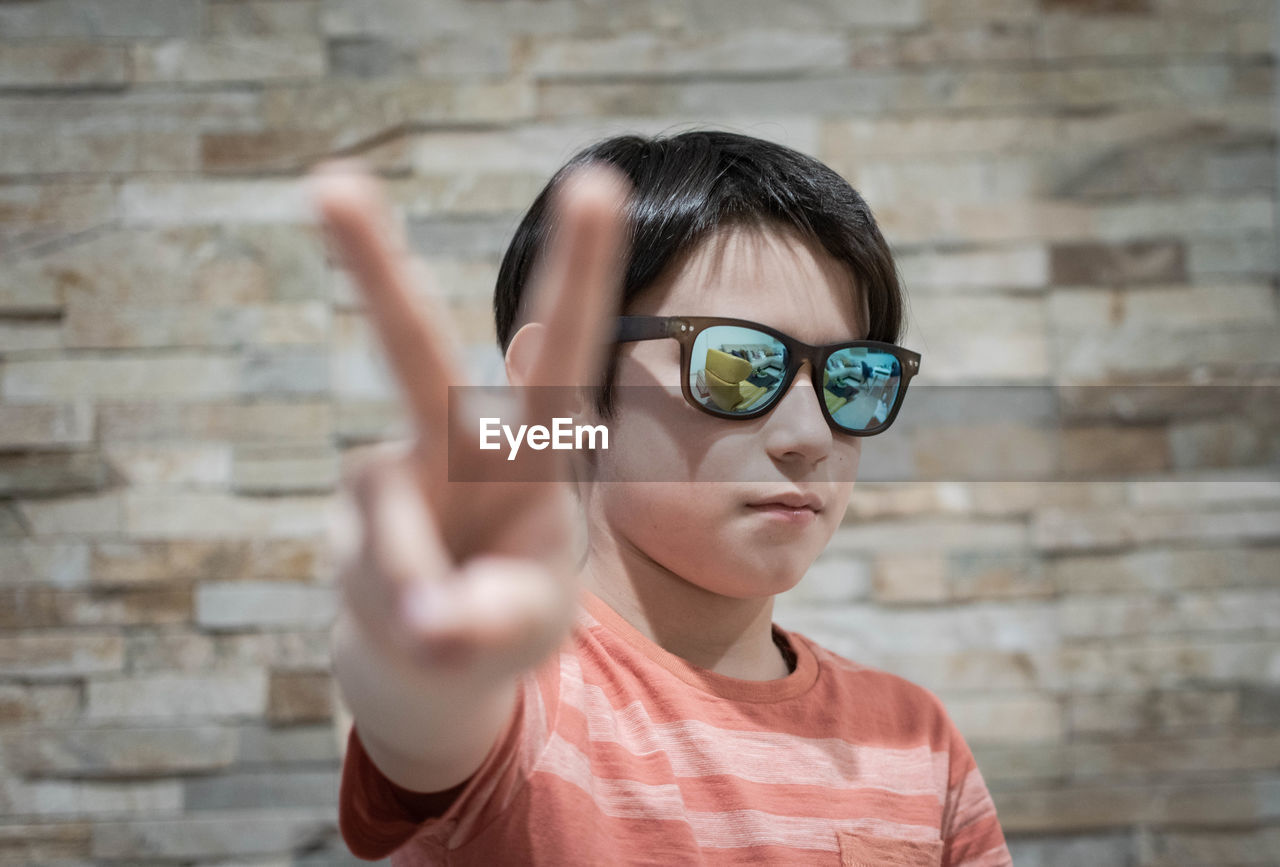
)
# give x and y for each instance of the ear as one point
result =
(523, 350)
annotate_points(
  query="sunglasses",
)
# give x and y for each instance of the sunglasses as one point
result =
(734, 368)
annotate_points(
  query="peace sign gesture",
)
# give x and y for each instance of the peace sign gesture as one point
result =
(468, 582)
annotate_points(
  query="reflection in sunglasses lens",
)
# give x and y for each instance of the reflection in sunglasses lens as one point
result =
(860, 386)
(736, 369)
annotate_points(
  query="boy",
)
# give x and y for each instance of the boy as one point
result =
(516, 703)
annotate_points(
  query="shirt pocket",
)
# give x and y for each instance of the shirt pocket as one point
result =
(871, 850)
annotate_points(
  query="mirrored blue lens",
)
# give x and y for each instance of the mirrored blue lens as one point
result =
(860, 386)
(735, 370)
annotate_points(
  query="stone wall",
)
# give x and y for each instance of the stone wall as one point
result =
(1077, 190)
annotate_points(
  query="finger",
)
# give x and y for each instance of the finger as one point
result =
(417, 344)
(577, 292)
(398, 534)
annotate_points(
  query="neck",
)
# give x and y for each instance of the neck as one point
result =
(727, 635)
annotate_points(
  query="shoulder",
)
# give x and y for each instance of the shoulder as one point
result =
(890, 700)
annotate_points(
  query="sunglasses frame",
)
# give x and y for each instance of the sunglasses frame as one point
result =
(686, 329)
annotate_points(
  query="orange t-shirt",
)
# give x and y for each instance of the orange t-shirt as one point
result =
(622, 753)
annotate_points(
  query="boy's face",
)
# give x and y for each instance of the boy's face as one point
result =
(696, 520)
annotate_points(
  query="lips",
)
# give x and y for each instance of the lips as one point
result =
(791, 500)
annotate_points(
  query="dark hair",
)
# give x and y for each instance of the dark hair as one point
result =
(690, 184)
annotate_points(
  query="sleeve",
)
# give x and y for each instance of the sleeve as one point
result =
(971, 832)
(376, 817)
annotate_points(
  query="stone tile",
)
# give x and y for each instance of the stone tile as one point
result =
(168, 696)
(40, 607)
(210, 516)
(274, 18)
(261, 420)
(1091, 264)
(39, 153)
(1166, 569)
(79, 64)
(56, 564)
(100, 800)
(53, 473)
(656, 54)
(93, 324)
(45, 842)
(244, 59)
(46, 426)
(99, 514)
(300, 697)
(275, 745)
(171, 465)
(285, 469)
(96, 19)
(111, 752)
(38, 704)
(241, 604)
(1155, 710)
(266, 790)
(219, 833)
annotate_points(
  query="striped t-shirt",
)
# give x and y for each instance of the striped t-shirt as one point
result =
(622, 753)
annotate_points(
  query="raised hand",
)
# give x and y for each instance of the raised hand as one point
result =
(468, 580)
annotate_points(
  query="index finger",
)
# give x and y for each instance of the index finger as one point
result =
(421, 354)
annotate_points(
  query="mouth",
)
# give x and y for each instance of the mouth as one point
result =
(792, 507)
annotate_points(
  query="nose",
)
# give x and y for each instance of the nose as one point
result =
(797, 430)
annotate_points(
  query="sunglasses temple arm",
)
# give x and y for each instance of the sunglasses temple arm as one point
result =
(641, 328)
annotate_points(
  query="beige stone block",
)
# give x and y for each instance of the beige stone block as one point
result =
(39, 607)
(58, 564)
(34, 336)
(712, 14)
(46, 842)
(134, 151)
(104, 800)
(21, 294)
(95, 19)
(116, 563)
(1233, 487)
(897, 500)
(263, 604)
(464, 193)
(68, 204)
(1096, 806)
(980, 339)
(997, 575)
(46, 426)
(651, 53)
(1111, 450)
(96, 324)
(960, 178)
(213, 834)
(1017, 267)
(1145, 354)
(244, 59)
(261, 469)
(1004, 42)
(928, 534)
(1166, 569)
(1166, 662)
(1200, 216)
(176, 375)
(275, 18)
(1230, 443)
(974, 668)
(1164, 711)
(1065, 530)
(1034, 221)
(1218, 846)
(300, 696)
(1010, 498)
(52, 473)
(171, 465)
(161, 515)
(260, 420)
(60, 655)
(224, 694)
(910, 578)
(359, 109)
(64, 63)
(1222, 610)
(85, 514)
(110, 752)
(38, 704)
(210, 202)
(1006, 718)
